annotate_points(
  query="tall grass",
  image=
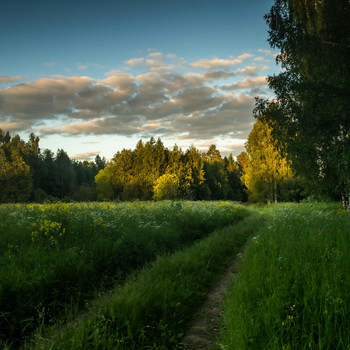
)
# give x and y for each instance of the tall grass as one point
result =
(152, 310)
(292, 291)
(57, 254)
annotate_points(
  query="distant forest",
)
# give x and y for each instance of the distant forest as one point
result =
(154, 172)
(150, 171)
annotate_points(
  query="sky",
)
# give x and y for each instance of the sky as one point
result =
(94, 77)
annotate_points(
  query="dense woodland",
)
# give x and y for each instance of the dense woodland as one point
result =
(310, 115)
(151, 171)
(27, 174)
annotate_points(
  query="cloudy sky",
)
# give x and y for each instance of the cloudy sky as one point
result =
(93, 77)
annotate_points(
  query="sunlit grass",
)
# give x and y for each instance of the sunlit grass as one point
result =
(292, 291)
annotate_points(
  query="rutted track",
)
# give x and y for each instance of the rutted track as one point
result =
(207, 322)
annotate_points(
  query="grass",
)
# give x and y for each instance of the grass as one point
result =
(153, 309)
(292, 291)
(56, 255)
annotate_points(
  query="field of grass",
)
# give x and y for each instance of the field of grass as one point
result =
(131, 275)
(56, 255)
(152, 310)
(293, 288)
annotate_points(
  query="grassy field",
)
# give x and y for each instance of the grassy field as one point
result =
(131, 275)
(152, 309)
(57, 255)
(293, 289)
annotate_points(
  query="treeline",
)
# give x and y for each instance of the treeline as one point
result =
(27, 174)
(152, 171)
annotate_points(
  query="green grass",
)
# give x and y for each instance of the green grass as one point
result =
(153, 309)
(56, 255)
(292, 291)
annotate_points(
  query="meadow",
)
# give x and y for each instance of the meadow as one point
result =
(55, 256)
(131, 275)
(293, 288)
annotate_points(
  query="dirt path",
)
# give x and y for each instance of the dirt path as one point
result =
(207, 322)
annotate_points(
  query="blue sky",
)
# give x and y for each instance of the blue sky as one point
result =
(94, 77)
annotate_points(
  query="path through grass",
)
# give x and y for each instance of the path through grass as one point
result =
(153, 309)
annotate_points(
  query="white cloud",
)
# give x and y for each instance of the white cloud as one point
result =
(246, 84)
(133, 62)
(252, 70)
(215, 62)
(268, 53)
(86, 155)
(156, 54)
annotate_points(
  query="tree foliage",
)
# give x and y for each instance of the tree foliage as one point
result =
(310, 115)
(264, 169)
(27, 174)
(152, 171)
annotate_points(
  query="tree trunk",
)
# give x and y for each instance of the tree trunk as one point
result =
(345, 200)
(275, 191)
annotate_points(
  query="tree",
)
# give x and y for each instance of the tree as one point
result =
(100, 162)
(50, 182)
(167, 186)
(65, 174)
(310, 115)
(263, 167)
(215, 174)
(195, 161)
(234, 174)
(15, 178)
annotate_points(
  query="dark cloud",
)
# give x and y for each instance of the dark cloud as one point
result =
(163, 101)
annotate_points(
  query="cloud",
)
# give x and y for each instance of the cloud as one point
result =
(133, 62)
(43, 98)
(246, 84)
(252, 70)
(15, 126)
(49, 64)
(268, 53)
(9, 79)
(89, 65)
(86, 155)
(215, 62)
(163, 101)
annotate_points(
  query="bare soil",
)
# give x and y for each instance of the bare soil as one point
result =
(207, 322)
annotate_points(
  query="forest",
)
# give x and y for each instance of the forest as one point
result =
(150, 171)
